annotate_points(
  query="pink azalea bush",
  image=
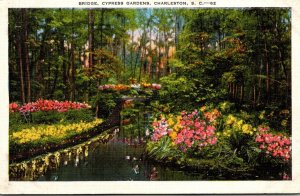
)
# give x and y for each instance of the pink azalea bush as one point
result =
(195, 130)
(192, 137)
(275, 145)
(13, 107)
(48, 105)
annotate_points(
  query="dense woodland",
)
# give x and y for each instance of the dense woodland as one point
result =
(198, 55)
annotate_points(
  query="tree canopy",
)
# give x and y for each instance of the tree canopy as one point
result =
(199, 55)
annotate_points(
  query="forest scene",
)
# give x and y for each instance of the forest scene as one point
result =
(150, 94)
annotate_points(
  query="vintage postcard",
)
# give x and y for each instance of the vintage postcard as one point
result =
(150, 96)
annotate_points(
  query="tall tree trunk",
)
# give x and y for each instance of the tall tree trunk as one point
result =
(149, 70)
(101, 27)
(123, 43)
(47, 91)
(26, 54)
(242, 93)
(68, 68)
(39, 69)
(56, 72)
(64, 66)
(136, 60)
(159, 59)
(131, 52)
(254, 96)
(143, 53)
(268, 78)
(259, 82)
(91, 37)
(73, 68)
(73, 60)
(20, 61)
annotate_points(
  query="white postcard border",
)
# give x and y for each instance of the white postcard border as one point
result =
(157, 187)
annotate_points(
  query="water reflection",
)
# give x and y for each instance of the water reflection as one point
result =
(153, 174)
(120, 159)
(36, 168)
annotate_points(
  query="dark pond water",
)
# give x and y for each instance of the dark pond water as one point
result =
(115, 161)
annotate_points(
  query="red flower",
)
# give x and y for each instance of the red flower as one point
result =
(13, 107)
(48, 105)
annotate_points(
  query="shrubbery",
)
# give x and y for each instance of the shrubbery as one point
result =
(214, 139)
(38, 124)
(38, 113)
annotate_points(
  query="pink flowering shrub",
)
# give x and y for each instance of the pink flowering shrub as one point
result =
(49, 105)
(160, 128)
(191, 130)
(275, 145)
(195, 132)
(13, 107)
(191, 139)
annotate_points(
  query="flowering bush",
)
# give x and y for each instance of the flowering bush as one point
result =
(160, 128)
(118, 87)
(189, 130)
(195, 132)
(51, 131)
(275, 145)
(227, 143)
(13, 107)
(123, 87)
(235, 125)
(51, 105)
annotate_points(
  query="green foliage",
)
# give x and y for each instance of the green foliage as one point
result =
(105, 102)
(163, 150)
(51, 117)
(221, 157)
(17, 121)
(129, 113)
(179, 89)
(15, 118)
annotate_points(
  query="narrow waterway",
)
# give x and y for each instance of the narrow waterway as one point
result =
(118, 160)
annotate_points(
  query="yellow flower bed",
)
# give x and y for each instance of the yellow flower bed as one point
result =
(234, 124)
(55, 131)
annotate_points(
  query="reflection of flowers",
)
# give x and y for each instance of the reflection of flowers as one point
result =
(154, 174)
(285, 176)
(136, 169)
